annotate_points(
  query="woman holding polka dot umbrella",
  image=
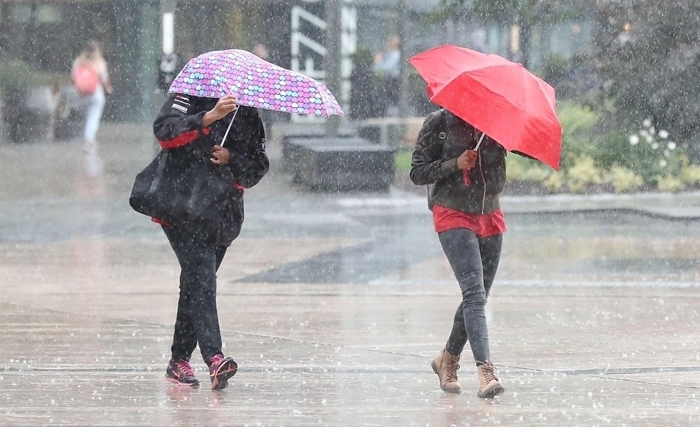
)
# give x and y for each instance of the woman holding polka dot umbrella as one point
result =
(211, 116)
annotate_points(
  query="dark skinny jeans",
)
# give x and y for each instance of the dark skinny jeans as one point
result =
(474, 261)
(197, 319)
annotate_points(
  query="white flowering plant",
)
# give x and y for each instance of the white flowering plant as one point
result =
(652, 153)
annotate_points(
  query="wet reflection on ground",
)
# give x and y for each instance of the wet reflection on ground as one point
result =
(334, 305)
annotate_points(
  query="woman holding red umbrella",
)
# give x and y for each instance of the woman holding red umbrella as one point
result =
(468, 172)
(481, 94)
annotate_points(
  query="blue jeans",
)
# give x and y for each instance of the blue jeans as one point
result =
(95, 106)
(474, 261)
(197, 319)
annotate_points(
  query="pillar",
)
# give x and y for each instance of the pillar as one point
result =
(149, 48)
(333, 58)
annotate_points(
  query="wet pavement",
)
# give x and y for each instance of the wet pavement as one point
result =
(334, 305)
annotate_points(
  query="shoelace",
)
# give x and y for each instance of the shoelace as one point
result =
(452, 368)
(185, 367)
(489, 372)
(216, 359)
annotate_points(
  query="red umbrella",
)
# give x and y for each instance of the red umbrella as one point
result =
(496, 96)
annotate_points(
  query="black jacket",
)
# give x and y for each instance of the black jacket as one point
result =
(179, 128)
(442, 139)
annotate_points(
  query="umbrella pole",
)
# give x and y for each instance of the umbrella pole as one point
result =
(223, 141)
(479, 143)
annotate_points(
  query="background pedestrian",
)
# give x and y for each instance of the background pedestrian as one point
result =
(91, 80)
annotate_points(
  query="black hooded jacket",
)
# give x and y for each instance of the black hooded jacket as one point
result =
(179, 128)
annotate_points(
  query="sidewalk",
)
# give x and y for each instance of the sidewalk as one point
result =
(680, 206)
(83, 355)
(334, 305)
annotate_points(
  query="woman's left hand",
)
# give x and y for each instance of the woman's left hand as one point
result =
(220, 156)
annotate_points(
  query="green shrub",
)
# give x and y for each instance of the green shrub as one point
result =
(583, 173)
(690, 175)
(649, 152)
(16, 77)
(669, 183)
(578, 140)
(624, 180)
(611, 147)
(402, 160)
(520, 168)
(555, 182)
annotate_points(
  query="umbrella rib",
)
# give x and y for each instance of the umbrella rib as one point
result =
(489, 68)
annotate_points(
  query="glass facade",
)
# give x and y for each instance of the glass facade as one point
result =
(49, 34)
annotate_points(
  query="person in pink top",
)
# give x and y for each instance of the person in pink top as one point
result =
(91, 79)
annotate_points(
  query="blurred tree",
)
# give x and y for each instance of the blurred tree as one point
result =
(526, 14)
(649, 57)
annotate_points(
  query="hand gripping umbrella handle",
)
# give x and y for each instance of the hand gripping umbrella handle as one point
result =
(223, 141)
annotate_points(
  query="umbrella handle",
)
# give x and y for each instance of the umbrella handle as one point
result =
(479, 143)
(223, 141)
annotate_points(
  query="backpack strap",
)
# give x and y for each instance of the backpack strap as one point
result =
(441, 131)
(442, 126)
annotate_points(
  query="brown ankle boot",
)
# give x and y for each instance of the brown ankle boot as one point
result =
(489, 386)
(445, 366)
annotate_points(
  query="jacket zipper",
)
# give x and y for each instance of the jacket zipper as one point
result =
(483, 179)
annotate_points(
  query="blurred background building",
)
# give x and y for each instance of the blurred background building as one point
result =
(48, 34)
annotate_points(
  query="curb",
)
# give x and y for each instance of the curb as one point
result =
(625, 210)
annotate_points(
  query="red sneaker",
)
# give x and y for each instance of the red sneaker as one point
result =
(220, 370)
(181, 373)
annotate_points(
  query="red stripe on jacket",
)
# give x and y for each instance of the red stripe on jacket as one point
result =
(183, 139)
(160, 221)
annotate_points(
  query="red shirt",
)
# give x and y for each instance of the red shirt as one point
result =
(483, 225)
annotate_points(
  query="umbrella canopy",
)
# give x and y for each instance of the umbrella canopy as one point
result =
(496, 96)
(255, 82)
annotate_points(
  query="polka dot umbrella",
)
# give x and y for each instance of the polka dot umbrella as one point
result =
(256, 83)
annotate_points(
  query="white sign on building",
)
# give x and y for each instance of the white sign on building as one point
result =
(308, 53)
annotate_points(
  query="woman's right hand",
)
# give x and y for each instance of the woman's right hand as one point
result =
(224, 106)
(467, 160)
